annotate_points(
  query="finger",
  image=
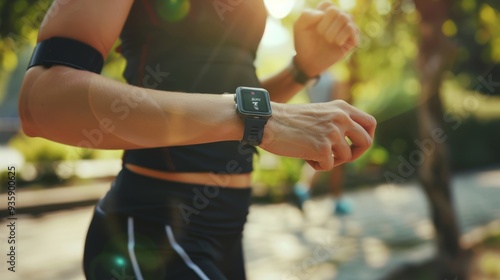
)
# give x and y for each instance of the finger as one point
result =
(341, 151)
(335, 27)
(354, 40)
(361, 140)
(314, 164)
(348, 46)
(329, 16)
(324, 5)
(348, 32)
(326, 164)
(368, 122)
(308, 18)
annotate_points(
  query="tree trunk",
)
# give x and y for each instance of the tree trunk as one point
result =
(435, 57)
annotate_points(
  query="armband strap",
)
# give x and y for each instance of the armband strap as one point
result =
(68, 52)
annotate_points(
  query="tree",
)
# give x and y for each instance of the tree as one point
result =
(436, 55)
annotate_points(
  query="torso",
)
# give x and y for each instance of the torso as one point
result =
(205, 47)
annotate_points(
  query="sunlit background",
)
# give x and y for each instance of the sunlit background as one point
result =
(390, 229)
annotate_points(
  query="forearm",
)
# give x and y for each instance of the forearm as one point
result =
(66, 105)
(281, 86)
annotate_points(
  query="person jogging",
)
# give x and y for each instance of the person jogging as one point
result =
(178, 207)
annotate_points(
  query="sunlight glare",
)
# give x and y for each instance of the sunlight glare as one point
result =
(347, 5)
(274, 34)
(279, 8)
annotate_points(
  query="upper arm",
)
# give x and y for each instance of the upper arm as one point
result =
(97, 23)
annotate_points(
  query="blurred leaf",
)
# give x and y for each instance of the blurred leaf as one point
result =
(40, 149)
(449, 28)
(9, 60)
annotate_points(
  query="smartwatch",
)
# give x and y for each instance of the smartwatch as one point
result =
(253, 105)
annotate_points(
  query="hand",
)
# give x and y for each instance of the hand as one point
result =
(317, 132)
(322, 37)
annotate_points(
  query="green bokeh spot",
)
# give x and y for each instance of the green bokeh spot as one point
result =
(119, 261)
(173, 10)
(379, 156)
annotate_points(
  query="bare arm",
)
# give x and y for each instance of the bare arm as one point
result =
(321, 37)
(66, 105)
(281, 86)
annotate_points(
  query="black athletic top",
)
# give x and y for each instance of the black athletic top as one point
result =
(198, 46)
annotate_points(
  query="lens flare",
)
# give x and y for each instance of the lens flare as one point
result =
(173, 10)
(120, 261)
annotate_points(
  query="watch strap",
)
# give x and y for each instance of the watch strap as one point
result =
(254, 131)
(298, 75)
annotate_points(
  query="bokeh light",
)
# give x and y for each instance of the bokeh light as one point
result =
(488, 14)
(383, 7)
(347, 4)
(274, 34)
(173, 10)
(449, 28)
(119, 261)
(279, 8)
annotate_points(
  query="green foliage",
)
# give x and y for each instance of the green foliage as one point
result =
(114, 64)
(22, 16)
(382, 72)
(276, 175)
(273, 172)
(478, 39)
(39, 149)
(386, 84)
(20, 21)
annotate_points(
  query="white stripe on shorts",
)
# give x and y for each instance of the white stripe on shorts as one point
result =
(131, 245)
(183, 254)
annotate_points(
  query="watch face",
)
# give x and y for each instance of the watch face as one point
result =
(254, 101)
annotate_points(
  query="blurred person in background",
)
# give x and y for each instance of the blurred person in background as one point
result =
(178, 207)
(325, 89)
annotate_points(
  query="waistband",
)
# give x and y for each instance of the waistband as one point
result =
(208, 208)
(221, 179)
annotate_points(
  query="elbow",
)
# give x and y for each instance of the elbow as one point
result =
(28, 123)
(29, 131)
(47, 110)
(28, 127)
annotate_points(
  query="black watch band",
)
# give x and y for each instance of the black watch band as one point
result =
(298, 75)
(254, 131)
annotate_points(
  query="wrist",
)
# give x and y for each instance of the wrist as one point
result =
(300, 74)
(236, 125)
(272, 128)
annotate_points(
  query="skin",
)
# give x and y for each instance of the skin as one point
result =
(62, 104)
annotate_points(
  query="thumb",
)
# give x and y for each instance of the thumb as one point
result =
(309, 18)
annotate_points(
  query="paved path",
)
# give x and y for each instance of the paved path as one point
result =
(390, 226)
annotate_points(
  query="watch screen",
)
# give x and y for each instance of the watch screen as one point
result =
(254, 101)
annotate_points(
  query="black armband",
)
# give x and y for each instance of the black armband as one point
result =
(67, 52)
